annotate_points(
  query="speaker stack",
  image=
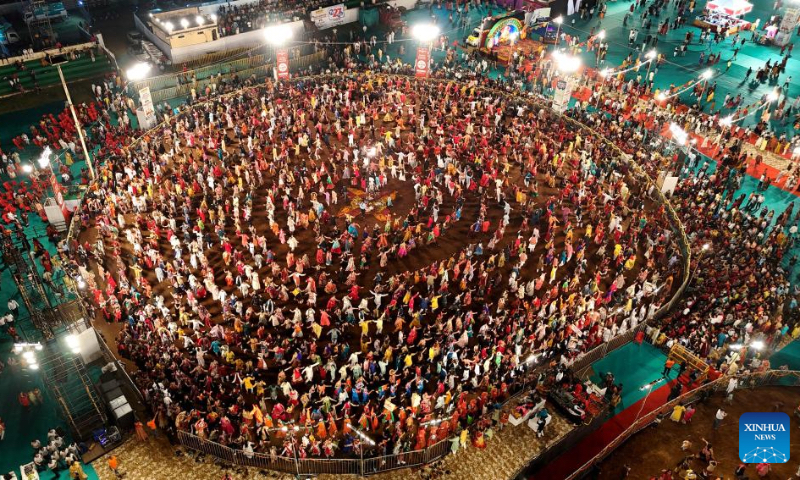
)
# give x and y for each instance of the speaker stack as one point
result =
(117, 404)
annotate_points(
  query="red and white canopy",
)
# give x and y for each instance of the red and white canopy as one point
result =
(730, 7)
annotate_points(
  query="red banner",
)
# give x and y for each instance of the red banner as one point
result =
(282, 63)
(422, 65)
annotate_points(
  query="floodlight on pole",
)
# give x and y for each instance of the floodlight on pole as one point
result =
(77, 122)
(558, 21)
(278, 34)
(169, 26)
(184, 23)
(200, 20)
(567, 63)
(138, 72)
(425, 32)
(678, 134)
(44, 158)
(773, 95)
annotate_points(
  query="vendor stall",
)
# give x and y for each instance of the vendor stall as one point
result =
(724, 16)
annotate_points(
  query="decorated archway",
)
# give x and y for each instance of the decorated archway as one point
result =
(503, 32)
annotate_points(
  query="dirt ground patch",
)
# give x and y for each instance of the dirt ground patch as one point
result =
(659, 447)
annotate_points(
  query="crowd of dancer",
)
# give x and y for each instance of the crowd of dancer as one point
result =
(741, 293)
(257, 261)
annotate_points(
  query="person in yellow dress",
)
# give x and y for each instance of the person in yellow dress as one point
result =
(76, 472)
(677, 413)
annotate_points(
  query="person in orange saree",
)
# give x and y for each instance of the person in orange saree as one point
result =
(421, 439)
(479, 441)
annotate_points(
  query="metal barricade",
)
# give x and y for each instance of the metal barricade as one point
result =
(320, 466)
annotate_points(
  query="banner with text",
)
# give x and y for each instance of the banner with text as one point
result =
(282, 62)
(329, 16)
(422, 65)
(147, 108)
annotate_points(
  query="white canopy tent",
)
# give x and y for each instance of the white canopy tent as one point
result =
(734, 8)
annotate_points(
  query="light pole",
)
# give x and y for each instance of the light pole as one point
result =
(293, 443)
(145, 114)
(568, 65)
(705, 77)
(138, 71)
(425, 33)
(276, 36)
(649, 388)
(28, 352)
(602, 36)
(78, 126)
(650, 56)
(364, 439)
(558, 21)
(604, 73)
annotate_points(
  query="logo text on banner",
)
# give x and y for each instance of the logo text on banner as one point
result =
(422, 65)
(329, 16)
(282, 63)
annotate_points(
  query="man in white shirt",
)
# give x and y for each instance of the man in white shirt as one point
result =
(719, 417)
(13, 308)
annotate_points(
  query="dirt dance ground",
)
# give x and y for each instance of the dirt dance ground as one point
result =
(645, 461)
(452, 240)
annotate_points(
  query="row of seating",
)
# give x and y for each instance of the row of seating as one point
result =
(48, 75)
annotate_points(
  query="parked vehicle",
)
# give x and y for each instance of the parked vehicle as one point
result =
(7, 33)
(135, 37)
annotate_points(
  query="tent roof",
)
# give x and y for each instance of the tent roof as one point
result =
(730, 7)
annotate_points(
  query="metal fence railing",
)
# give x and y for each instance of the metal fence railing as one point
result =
(166, 87)
(316, 466)
(746, 381)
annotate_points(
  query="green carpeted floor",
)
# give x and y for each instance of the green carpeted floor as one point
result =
(633, 366)
(789, 355)
(678, 70)
(23, 425)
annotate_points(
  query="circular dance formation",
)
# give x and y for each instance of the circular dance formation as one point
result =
(364, 261)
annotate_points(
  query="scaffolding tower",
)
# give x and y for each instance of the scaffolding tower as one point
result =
(38, 23)
(27, 279)
(64, 371)
(68, 381)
